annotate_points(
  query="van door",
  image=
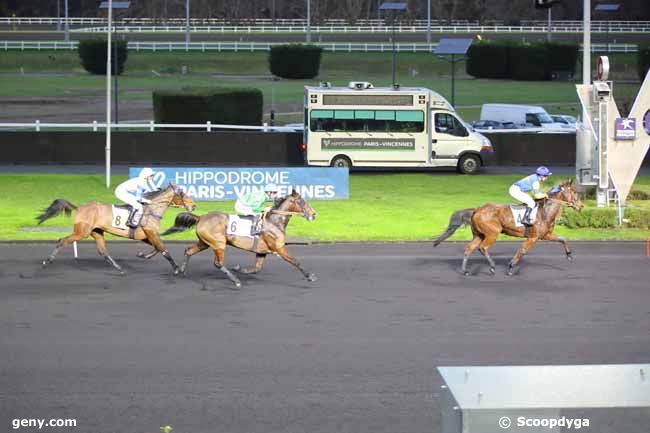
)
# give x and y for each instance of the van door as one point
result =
(449, 138)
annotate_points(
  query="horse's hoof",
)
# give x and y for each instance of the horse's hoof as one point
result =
(311, 278)
(237, 284)
(465, 273)
(236, 268)
(45, 263)
(140, 254)
(569, 257)
(122, 273)
(510, 272)
(176, 271)
(492, 270)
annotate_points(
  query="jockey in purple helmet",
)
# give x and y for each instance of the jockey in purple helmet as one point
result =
(520, 190)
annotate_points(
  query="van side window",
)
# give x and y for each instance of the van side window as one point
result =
(532, 118)
(448, 124)
(366, 121)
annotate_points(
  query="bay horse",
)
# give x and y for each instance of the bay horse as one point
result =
(94, 219)
(211, 229)
(490, 220)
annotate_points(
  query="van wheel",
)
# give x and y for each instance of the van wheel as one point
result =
(341, 161)
(469, 164)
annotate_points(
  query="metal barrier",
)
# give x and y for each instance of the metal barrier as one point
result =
(266, 46)
(150, 126)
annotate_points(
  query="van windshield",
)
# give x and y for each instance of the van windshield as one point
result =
(543, 118)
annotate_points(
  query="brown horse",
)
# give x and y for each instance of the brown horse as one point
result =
(490, 220)
(211, 229)
(94, 219)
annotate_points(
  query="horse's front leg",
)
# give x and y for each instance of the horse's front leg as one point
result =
(259, 263)
(154, 238)
(555, 238)
(525, 247)
(282, 252)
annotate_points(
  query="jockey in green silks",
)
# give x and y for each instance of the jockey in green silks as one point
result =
(254, 204)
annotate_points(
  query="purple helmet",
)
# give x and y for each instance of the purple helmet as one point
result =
(543, 171)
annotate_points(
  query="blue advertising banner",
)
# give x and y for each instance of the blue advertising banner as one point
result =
(222, 184)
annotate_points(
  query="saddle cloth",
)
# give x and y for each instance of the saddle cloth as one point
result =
(120, 216)
(240, 225)
(518, 214)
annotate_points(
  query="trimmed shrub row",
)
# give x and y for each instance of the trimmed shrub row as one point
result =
(295, 60)
(202, 104)
(92, 53)
(517, 61)
(604, 218)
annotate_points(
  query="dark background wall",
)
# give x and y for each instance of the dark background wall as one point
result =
(163, 147)
(232, 148)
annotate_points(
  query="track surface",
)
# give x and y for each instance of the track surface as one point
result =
(354, 352)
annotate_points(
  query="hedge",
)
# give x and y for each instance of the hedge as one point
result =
(605, 218)
(295, 60)
(487, 60)
(643, 63)
(241, 106)
(521, 61)
(92, 53)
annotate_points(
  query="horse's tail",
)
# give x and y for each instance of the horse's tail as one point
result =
(458, 219)
(59, 205)
(184, 221)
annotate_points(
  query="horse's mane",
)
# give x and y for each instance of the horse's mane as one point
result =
(151, 195)
(278, 201)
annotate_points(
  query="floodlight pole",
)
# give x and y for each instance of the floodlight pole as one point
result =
(67, 25)
(108, 96)
(393, 14)
(429, 22)
(548, 32)
(58, 15)
(308, 21)
(187, 25)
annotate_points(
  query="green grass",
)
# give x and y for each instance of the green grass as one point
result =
(58, 74)
(382, 207)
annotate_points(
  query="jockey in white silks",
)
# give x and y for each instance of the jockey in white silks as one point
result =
(132, 193)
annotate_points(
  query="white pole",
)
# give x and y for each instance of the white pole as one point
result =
(548, 33)
(108, 96)
(58, 15)
(429, 22)
(67, 25)
(74, 248)
(308, 21)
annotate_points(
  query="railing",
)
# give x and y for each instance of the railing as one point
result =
(245, 22)
(151, 126)
(266, 46)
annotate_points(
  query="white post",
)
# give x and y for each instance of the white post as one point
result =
(548, 33)
(108, 96)
(74, 248)
(586, 43)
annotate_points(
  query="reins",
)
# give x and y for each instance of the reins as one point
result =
(284, 212)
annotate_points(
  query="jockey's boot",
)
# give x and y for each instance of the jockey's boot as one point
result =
(257, 226)
(526, 218)
(134, 219)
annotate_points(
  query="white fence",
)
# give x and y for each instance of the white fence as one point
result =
(150, 126)
(266, 46)
(446, 29)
